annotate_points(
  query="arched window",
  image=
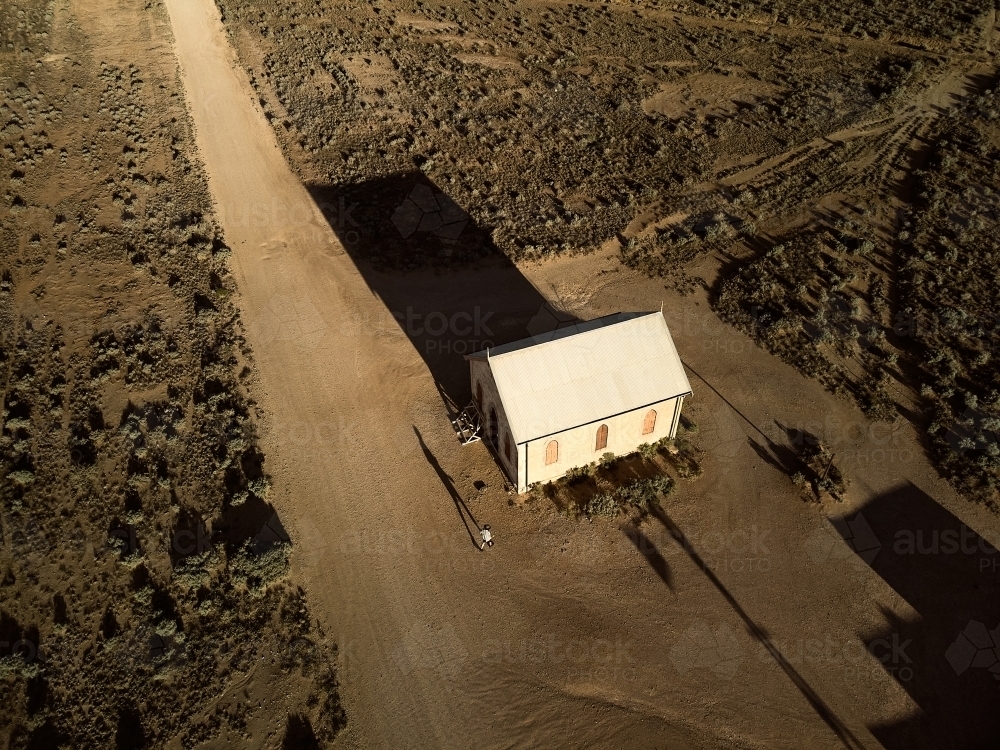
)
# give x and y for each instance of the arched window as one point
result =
(551, 452)
(649, 423)
(494, 428)
(602, 438)
(479, 396)
(506, 447)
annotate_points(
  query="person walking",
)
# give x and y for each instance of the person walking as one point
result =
(487, 536)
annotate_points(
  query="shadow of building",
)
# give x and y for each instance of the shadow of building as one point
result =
(437, 271)
(299, 734)
(951, 576)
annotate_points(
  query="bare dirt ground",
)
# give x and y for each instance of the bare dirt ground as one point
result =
(738, 616)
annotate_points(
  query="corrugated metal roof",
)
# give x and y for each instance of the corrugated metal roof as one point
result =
(585, 372)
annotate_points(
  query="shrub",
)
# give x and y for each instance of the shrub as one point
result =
(644, 492)
(257, 570)
(604, 504)
(640, 494)
(192, 571)
(260, 487)
(21, 478)
(648, 451)
(579, 473)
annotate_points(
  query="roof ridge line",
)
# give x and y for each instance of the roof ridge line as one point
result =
(552, 341)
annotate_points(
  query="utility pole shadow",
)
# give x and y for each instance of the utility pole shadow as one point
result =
(758, 633)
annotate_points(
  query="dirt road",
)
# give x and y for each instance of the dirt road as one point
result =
(377, 537)
(562, 634)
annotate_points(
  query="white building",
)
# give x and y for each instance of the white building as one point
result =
(553, 402)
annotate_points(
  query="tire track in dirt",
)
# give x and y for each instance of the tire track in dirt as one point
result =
(903, 133)
(767, 24)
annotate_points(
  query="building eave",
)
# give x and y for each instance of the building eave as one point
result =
(607, 416)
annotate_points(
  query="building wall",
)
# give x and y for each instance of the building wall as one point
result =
(577, 445)
(479, 372)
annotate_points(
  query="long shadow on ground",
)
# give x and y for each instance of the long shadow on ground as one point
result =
(948, 658)
(755, 630)
(463, 510)
(437, 271)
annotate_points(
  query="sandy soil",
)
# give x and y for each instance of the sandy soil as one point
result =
(759, 632)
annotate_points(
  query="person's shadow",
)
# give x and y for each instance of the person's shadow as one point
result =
(463, 510)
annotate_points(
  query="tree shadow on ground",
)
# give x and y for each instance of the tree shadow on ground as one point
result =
(645, 546)
(438, 272)
(767, 456)
(948, 657)
(44, 737)
(254, 521)
(782, 457)
(130, 734)
(299, 734)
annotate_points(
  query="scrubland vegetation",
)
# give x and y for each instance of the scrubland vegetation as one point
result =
(836, 168)
(617, 485)
(142, 567)
(948, 280)
(938, 19)
(555, 127)
(782, 138)
(905, 320)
